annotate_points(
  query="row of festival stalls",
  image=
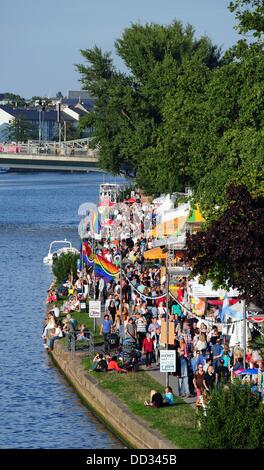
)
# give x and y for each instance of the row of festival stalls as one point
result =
(173, 225)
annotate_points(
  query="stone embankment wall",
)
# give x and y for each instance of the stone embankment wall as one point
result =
(130, 428)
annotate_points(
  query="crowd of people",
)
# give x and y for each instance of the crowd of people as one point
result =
(135, 316)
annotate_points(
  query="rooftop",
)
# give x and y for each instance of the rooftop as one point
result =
(32, 114)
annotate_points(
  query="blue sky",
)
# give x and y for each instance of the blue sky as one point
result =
(41, 40)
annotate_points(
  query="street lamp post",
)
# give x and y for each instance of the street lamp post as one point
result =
(40, 112)
(167, 314)
(244, 333)
(120, 279)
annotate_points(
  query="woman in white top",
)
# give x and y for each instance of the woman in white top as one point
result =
(58, 334)
(161, 310)
(201, 343)
(49, 326)
(85, 289)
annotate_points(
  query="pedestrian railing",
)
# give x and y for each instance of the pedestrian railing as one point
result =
(73, 148)
(73, 345)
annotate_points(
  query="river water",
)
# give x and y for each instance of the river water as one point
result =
(38, 408)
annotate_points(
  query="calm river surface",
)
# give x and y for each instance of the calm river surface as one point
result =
(38, 409)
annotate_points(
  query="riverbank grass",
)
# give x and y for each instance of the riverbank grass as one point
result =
(178, 423)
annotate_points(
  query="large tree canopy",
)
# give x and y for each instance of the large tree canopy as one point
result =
(250, 14)
(129, 118)
(228, 146)
(181, 115)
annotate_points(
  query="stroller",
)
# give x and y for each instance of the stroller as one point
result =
(133, 363)
(113, 341)
(129, 350)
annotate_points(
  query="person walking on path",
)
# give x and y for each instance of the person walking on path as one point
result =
(147, 348)
(141, 326)
(198, 382)
(217, 352)
(209, 379)
(105, 330)
(183, 374)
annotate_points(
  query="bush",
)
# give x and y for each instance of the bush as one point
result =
(64, 265)
(234, 419)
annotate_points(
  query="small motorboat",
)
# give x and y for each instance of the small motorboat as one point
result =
(54, 254)
(4, 170)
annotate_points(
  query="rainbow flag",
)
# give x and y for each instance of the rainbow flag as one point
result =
(103, 268)
(87, 254)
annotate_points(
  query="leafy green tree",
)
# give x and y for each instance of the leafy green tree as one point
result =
(128, 116)
(234, 419)
(181, 115)
(230, 252)
(40, 101)
(184, 115)
(73, 132)
(21, 130)
(15, 100)
(228, 145)
(250, 14)
(64, 265)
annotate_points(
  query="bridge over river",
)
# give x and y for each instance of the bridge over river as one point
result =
(74, 155)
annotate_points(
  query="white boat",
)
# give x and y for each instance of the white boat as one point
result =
(4, 170)
(54, 254)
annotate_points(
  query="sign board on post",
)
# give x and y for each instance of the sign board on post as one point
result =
(95, 309)
(167, 361)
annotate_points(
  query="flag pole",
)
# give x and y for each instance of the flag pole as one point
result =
(244, 333)
(120, 278)
(94, 283)
(167, 313)
(82, 266)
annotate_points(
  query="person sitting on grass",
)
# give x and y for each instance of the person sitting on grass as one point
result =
(83, 333)
(52, 297)
(49, 327)
(113, 365)
(58, 334)
(168, 397)
(72, 304)
(99, 363)
(158, 400)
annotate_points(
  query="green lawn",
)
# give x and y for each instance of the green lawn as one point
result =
(177, 423)
(81, 317)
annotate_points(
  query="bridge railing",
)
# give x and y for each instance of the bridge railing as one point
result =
(78, 148)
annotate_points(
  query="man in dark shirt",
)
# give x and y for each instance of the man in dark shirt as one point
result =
(209, 380)
(222, 374)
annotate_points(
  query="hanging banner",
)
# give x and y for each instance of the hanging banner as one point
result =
(163, 336)
(199, 306)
